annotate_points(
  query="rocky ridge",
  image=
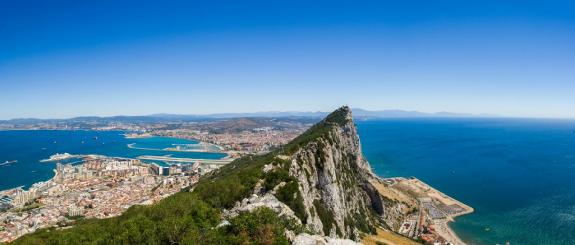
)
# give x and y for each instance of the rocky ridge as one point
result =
(333, 192)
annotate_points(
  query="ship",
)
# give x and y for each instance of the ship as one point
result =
(8, 162)
(58, 157)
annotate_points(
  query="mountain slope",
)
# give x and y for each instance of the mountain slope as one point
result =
(333, 178)
(317, 186)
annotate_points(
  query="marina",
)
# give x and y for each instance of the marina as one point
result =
(199, 147)
(186, 160)
(59, 157)
(29, 147)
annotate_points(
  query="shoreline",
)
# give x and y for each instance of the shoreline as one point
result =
(435, 206)
(28, 185)
(445, 230)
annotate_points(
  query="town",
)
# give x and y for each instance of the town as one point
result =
(428, 214)
(99, 187)
(237, 136)
(252, 141)
(95, 186)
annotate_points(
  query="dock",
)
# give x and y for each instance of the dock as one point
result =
(187, 160)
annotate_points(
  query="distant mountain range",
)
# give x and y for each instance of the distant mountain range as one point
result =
(357, 113)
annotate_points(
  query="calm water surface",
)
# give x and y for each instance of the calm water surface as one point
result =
(518, 174)
(28, 147)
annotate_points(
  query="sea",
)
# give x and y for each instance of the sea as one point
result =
(28, 147)
(518, 174)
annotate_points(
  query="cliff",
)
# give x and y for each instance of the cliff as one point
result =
(333, 179)
(330, 187)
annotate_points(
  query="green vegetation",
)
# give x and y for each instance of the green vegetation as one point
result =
(179, 219)
(319, 130)
(76, 218)
(291, 196)
(233, 182)
(273, 178)
(27, 207)
(362, 223)
(289, 193)
(262, 226)
(195, 217)
(191, 217)
(324, 215)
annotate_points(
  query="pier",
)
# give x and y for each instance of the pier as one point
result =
(187, 160)
(204, 148)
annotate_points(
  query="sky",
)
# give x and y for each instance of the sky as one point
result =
(61, 59)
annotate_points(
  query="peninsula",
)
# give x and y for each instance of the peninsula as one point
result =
(316, 189)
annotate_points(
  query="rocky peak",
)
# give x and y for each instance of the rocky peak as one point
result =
(332, 176)
(322, 179)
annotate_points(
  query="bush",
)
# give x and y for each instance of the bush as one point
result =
(324, 215)
(291, 196)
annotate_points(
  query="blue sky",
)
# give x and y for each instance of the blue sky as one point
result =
(71, 58)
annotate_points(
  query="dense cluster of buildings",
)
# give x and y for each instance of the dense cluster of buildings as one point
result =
(101, 187)
(421, 224)
(70, 124)
(434, 211)
(249, 141)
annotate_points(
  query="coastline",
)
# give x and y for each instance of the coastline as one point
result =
(433, 204)
(444, 229)
(220, 148)
(46, 173)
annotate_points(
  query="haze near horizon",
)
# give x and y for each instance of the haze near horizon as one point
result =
(105, 58)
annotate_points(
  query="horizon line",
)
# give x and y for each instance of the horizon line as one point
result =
(437, 114)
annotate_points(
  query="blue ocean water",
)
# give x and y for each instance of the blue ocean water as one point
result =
(518, 174)
(28, 147)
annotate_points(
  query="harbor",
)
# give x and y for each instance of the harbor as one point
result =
(25, 164)
(59, 157)
(76, 177)
(199, 147)
(186, 160)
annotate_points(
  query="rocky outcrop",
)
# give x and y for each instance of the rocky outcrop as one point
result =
(307, 239)
(333, 193)
(333, 179)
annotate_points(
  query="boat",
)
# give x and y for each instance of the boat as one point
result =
(8, 162)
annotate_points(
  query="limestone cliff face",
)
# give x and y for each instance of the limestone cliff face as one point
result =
(333, 179)
(337, 194)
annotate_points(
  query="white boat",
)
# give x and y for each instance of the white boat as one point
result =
(8, 162)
